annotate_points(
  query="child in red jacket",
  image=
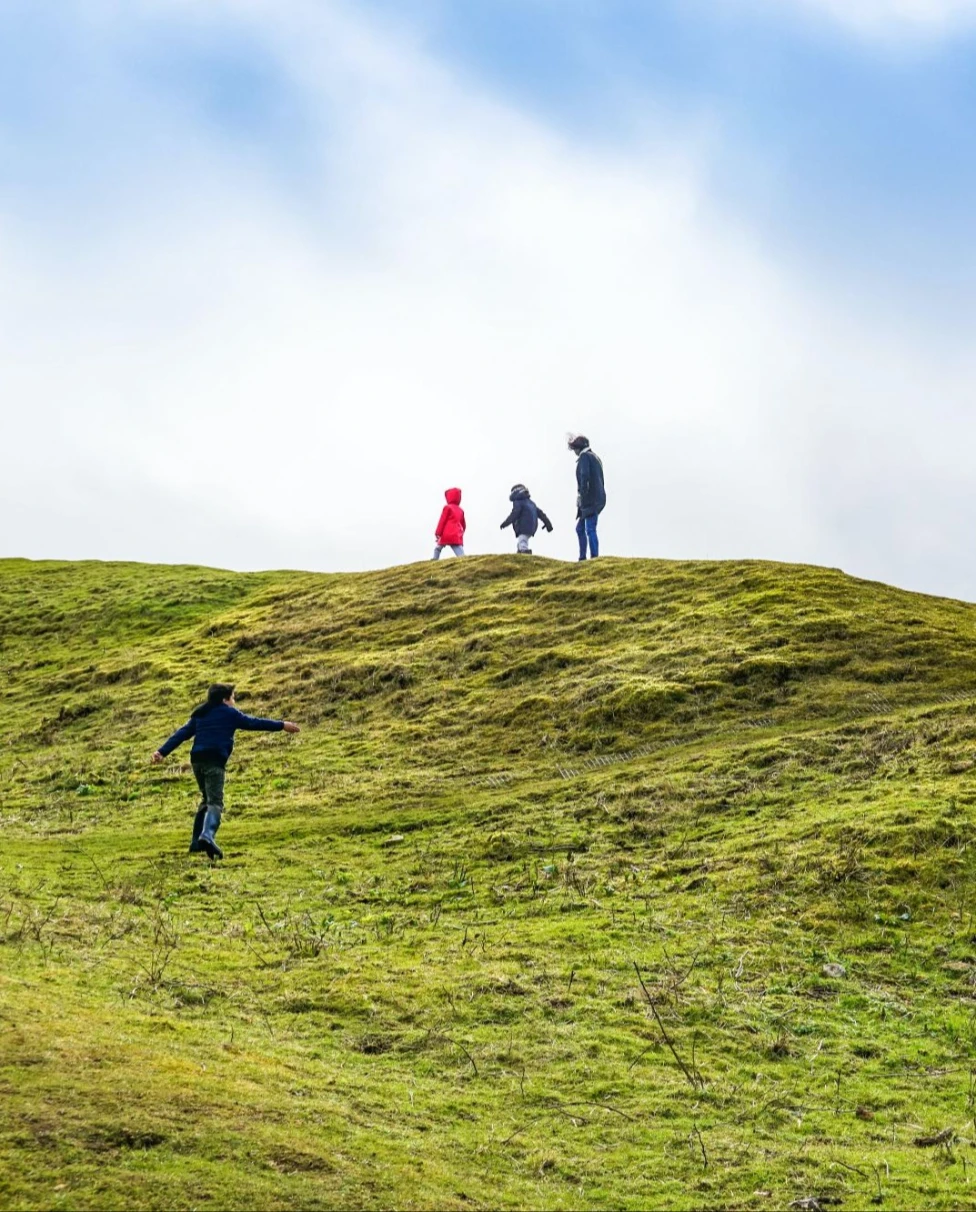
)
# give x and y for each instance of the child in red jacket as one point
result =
(451, 527)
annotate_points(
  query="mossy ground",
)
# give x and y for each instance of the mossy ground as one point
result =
(413, 982)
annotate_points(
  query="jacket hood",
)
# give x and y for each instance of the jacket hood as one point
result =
(453, 496)
(519, 493)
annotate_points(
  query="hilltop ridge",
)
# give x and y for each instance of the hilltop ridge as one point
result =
(413, 981)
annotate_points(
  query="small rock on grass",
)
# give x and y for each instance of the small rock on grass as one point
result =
(834, 971)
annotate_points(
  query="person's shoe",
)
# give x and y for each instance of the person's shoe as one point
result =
(211, 824)
(213, 851)
(198, 820)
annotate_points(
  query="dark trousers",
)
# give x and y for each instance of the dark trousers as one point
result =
(586, 529)
(210, 779)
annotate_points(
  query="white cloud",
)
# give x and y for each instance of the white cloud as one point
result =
(231, 379)
(890, 19)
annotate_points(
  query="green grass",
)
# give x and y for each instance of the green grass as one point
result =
(413, 982)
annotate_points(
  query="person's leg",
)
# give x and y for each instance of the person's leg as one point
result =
(523, 544)
(198, 820)
(437, 552)
(213, 777)
(201, 811)
(457, 549)
(592, 535)
(581, 535)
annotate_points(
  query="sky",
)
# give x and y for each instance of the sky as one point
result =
(274, 274)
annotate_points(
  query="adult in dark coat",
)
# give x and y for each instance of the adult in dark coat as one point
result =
(591, 495)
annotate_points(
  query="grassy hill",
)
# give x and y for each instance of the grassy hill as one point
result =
(618, 885)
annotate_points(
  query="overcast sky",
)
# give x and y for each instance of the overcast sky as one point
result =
(276, 273)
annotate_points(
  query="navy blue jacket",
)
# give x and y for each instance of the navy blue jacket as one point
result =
(213, 733)
(525, 515)
(589, 479)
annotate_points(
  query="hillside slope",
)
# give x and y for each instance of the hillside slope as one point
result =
(414, 980)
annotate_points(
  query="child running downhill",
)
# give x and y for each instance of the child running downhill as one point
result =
(212, 725)
(525, 518)
(451, 527)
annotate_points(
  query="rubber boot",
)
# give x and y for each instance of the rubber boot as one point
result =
(211, 824)
(195, 846)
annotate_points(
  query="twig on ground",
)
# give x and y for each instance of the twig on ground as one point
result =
(678, 980)
(267, 924)
(695, 1079)
(575, 1120)
(461, 1046)
(845, 1166)
(265, 961)
(701, 1144)
(85, 854)
(939, 1138)
(603, 1107)
(640, 1056)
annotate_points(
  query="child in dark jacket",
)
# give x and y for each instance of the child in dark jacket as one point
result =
(212, 726)
(524, 518)
(452, 525)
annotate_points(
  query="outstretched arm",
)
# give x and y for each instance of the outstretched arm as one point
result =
(510, 519)
(254, 723)
(177, 739)
(544, 520)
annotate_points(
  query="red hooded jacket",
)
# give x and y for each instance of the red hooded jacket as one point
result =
(451, 527)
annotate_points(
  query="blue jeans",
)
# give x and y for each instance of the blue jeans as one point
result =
(455, 547)
(586, 529)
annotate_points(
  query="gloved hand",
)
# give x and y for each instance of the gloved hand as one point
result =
(504, 526)
(549, 528)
